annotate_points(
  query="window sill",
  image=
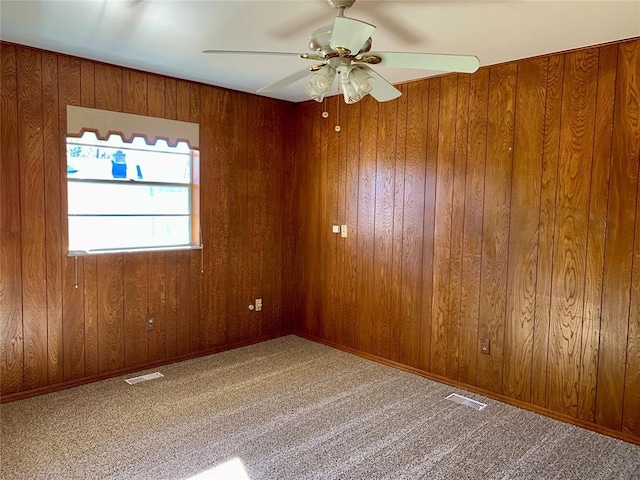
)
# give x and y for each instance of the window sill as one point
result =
(85, 253)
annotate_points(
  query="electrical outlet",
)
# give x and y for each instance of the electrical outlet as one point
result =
(485, 346)
(151, 323)
(258, 304)
(336, 229)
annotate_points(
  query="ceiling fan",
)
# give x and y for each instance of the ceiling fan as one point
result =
(344, 48)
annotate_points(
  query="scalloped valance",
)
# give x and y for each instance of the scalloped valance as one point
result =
(105, 123)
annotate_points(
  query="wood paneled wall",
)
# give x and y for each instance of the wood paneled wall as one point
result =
(499, 206)
(52, 331)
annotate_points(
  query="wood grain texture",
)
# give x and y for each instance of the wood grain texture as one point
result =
(523, 240)
(413, 222)
(53, 227)
(454, 323)
(216, 112)
(238, 227)
(32, 213)
(329, 217)
(11, 326)
(441, 315)
(90, 292)
(597, 231)
(171, 315)
(619, 245)
(548, 194)
(183, 303)
(472, 239)
(496, 223)
(73, 327)
(366, 216)
(110, 313)
(350, 257)
(570, 245)
(431, 169)
(89, 264)
(84, 315)
(398, 322)
(383, 230)
(136, 339)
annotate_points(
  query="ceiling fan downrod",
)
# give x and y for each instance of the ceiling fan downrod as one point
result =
(341, 5)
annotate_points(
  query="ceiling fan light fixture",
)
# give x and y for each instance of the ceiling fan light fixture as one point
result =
(356, 84)
(320, 83)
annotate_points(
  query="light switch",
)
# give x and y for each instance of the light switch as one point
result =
(343, 231)
(258, 304)
(336, 229)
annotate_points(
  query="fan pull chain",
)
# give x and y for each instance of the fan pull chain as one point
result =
(325, 114)
(338, 117)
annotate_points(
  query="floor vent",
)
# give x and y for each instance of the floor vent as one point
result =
(143, 378)
(454, 397)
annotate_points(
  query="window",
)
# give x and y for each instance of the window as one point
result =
(131, 195)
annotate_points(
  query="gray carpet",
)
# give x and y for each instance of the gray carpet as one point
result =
(292, 409)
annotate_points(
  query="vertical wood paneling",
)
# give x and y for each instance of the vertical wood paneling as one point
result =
(89, 264)
(90, 285)
(261, 125)
(183, 303)
(195, 277)
(458, 206)
(426, 314)
(523, 240)
(110, 268)
(472, 238)
(570, 245)
(350, 265)
(631, 411)
(271, 221)
(171, 316)
(597, 231)
(623, 191)
(53, 234)
(442, 231)
(110, 312)
(32, 199)
(73, 328)
(397, 321)
(329, 192)
(156, 261)
(157, 309)
(495, 240)
(11, 334)
(383, 229)
(631, 405)
(548, 190)
(366, 215)
(136, 345)
(86, 316)
(217, 112)
(239, 284)
(413, 225)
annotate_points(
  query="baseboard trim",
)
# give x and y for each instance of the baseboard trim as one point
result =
(496, 396)
(56, 387)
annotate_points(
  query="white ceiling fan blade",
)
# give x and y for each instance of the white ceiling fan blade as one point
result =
(350, 34)
(247, 52)
(286, 81)
(383, 91)
(428, 61)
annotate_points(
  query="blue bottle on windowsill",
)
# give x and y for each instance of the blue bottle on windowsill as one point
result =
(119, 165)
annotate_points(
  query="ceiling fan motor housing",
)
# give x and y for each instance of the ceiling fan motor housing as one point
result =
(320, 40)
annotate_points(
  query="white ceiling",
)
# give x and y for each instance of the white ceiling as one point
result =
(167, 37)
